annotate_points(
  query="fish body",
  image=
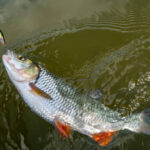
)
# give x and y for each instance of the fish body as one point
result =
(56, 102)
(77, 110)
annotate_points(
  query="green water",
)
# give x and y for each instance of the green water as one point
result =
(92, 44)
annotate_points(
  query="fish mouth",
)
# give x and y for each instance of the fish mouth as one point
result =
(17, 69)
(7, 58)
(7, 61)
(13, 72)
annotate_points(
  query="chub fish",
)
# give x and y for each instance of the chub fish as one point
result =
(56, 102)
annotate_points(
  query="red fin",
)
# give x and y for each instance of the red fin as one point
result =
(63, 129)
(38, 91)
(103, 138)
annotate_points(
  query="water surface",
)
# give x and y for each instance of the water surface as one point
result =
(95, 44)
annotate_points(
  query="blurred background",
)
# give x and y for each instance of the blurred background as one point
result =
(98, 44)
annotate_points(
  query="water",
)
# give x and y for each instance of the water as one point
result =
(93, 45)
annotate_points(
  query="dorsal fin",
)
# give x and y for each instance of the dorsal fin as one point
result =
(78, 84)
(96, 94)
(38, 91)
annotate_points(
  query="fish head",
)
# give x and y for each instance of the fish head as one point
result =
(20, 68)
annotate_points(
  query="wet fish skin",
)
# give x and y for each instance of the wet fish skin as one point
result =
(78, 110)
(67, 106)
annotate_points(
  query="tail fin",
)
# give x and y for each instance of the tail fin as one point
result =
(145, 121)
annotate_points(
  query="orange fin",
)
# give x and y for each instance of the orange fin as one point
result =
(103, 138)
(63, 129)
(36, 90)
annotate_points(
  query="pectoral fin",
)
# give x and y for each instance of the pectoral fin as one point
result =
(36, 90)
(63, 129)
(103, 138)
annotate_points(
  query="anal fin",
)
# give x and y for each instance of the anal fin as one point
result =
(63, 129)
(103, 138)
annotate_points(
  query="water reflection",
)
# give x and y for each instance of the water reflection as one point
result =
(98, 44)
(18, 18)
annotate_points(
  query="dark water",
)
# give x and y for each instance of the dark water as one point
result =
(94, 44)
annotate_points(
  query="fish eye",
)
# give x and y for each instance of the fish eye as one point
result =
(21, 58)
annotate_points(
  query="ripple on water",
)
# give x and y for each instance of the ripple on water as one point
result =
(105, 51)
